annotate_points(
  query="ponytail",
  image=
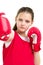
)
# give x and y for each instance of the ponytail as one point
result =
(15, 27)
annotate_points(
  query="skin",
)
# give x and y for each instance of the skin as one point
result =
(37, 58)
(23, 22)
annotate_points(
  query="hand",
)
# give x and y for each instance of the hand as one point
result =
(35, 34)
(5, 28)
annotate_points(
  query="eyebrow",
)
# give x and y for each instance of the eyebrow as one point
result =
(20, 19)
(27, 20)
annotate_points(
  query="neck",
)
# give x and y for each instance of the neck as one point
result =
(21, 33)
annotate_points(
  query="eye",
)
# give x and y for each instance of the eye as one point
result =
(27, 21)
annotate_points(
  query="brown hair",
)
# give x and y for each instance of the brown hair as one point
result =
(24, 9)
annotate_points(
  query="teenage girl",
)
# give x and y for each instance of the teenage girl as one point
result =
(17, 49)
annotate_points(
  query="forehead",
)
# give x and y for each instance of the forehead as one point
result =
(26, 15)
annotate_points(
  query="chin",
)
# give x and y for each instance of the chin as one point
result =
(22, 31)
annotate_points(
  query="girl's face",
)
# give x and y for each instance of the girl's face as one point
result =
(23, 21)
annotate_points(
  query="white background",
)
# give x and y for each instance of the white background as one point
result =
(10, 7)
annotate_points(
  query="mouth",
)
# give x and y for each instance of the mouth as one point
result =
(22, 27)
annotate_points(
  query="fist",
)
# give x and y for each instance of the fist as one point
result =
(5, 28)
(35, 35)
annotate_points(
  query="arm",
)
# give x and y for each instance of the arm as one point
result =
(35, 34)
(36, 54)
(11, 36)
(36, 58)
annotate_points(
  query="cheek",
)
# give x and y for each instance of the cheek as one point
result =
(18, 24)
(28, 25)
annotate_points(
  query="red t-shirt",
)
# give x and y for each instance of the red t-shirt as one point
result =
(18, 53)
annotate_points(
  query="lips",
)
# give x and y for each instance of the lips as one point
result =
(22, 27)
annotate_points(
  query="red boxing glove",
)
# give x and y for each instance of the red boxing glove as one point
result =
(35, 31)
(5, 28)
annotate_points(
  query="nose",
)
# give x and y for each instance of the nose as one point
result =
(23, 22)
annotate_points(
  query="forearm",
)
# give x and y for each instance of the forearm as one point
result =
(11, 36)
(36, 58)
